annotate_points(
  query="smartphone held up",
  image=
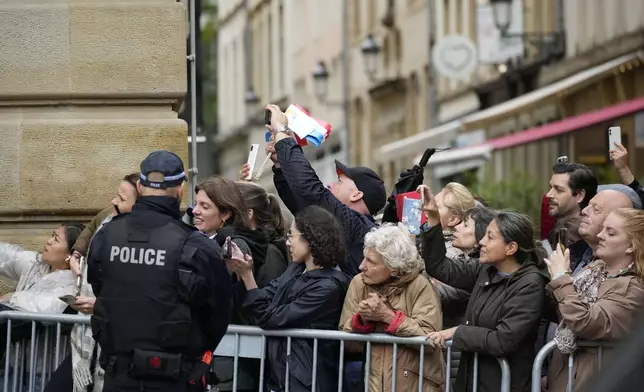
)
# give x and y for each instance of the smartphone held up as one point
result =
(252, 157)
(227, 249)
(614, 138)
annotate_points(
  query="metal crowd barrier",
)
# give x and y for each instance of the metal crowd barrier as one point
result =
(549, 347)
(240, 342)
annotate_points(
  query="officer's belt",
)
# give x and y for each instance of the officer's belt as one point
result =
(123, 363)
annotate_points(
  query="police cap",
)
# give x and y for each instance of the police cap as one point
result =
(166, 163)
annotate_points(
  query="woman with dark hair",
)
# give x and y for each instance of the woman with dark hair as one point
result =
(266, 218)
(221, 212)
(507, 284)
(79, 371)
(309, 295)
(218, 205)
(466, 237)
(264, 207)
(41, 277)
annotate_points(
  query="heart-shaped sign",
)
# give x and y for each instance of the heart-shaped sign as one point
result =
(455, 57)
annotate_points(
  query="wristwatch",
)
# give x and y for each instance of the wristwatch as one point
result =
(286, 130)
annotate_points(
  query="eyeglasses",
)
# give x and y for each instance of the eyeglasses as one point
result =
(290, 235)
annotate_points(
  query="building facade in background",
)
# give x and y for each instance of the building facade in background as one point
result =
(528, 89)
(232, 77)
(579, 72)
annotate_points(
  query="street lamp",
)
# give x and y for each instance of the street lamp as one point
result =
(502, 11)
(321, 80)
(551, 44)
(370, 51)
(251, 100)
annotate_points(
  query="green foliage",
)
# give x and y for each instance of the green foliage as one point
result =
(606, 174)
(521, 193)
(209, 63)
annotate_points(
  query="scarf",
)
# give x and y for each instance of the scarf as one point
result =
(586, 284)
(82, 343)
(395, 286)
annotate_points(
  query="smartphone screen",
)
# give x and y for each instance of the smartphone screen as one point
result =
(562, 238)
(614, 137)
(422, 198)
(228, 251)
(252, 157)
(267, 117)
(68, 299)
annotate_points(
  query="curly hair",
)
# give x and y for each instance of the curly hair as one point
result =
(324, 235)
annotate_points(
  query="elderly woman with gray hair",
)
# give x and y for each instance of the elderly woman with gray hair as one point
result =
(391, 295)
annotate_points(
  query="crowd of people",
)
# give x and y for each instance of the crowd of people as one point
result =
(476, 279)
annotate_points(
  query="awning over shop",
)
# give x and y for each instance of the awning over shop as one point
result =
(438, 136)
(446, 133)
(484, 150)
(565, 86)
(567, 125)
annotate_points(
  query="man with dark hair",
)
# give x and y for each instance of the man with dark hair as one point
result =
(572, 185)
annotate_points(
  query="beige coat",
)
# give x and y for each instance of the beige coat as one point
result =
(420, 314)
(608, 319)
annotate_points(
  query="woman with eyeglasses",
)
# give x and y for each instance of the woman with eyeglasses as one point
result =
(309, 294)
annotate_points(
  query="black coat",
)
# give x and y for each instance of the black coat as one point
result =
(299, 187)
(502, 317)
(311, 300)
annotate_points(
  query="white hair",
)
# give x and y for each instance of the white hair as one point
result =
(396, 246)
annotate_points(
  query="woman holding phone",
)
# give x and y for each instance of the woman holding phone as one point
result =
(507, 282)
(80, 369)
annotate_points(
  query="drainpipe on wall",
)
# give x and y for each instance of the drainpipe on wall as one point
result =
(248, 50)
(346, 89)
(192, 58)
(432, 86)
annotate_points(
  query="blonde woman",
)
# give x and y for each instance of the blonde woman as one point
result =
(453, 203)
(600, 302)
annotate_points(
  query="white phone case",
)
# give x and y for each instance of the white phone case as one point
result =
(252, 157)
(614, 137)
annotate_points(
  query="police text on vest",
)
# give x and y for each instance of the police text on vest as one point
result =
(138, 256)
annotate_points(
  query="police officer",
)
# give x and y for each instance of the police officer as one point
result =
(163, 294)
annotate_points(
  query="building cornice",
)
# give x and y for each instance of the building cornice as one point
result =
(593, 57)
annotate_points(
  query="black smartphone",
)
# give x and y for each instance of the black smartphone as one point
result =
(562, 238)
(227, 249)
(267, 117)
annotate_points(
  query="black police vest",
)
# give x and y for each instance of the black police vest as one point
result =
(139, 306)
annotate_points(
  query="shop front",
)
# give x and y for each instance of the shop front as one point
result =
(526, 134)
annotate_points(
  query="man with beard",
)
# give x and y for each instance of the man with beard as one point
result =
(572, 185)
